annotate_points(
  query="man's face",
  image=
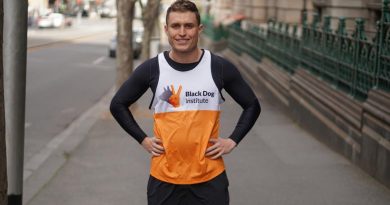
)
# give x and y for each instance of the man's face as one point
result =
(183, 31)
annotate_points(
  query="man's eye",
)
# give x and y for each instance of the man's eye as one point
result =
(175, 26)
(189, 26)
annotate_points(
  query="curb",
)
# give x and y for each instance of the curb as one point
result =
(44, 165)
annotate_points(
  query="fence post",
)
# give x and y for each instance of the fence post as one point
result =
(358, 37)
(382, 32)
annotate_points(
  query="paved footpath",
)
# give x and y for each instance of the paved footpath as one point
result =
(277, 163)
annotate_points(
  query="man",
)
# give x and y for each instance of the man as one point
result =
(186, 166)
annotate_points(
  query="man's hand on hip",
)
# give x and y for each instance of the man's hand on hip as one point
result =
(220, 147)
(153, 146)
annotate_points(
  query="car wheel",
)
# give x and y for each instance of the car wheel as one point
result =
(111, 53)
(136, 54)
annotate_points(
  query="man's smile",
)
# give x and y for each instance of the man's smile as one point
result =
(182, 41)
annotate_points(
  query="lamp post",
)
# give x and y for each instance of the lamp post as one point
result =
(15, 52)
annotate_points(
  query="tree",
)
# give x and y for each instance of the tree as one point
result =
(124, 51)
(149, 18)
(3, 155)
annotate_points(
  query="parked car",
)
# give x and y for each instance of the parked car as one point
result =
(137, 44)
(53, 20)
(107, 12)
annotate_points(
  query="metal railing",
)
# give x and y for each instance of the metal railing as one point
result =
(214, 32)
(347, 60)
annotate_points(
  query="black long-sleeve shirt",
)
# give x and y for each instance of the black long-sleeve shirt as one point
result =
(225, 76)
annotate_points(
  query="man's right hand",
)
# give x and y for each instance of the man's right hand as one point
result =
(153, 146)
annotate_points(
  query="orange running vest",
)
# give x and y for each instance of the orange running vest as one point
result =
(186, 116)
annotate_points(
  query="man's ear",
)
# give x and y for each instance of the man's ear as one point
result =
(166, 28)
(201, 27)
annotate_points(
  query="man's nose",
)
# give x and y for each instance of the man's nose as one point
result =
(182, 31)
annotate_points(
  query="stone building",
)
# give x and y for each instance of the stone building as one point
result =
(259, 11)
(262, 10)
(369, 10)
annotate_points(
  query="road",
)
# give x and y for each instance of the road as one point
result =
(65, 78)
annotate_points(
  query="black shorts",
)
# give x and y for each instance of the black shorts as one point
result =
(213, 192)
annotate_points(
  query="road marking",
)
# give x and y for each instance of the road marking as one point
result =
(99, 60)
(67, 41)
(27, 125)
(96, 67)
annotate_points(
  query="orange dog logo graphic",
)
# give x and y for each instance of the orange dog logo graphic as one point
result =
(170, 96)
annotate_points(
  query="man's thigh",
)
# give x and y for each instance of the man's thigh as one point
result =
(213, 192)
(161, 193)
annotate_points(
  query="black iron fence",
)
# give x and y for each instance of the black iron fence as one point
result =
(350, 61)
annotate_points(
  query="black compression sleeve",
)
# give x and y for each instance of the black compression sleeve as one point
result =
(146, 75)
(240, 91)
(131, 90)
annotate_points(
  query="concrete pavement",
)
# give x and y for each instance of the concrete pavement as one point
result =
(277, 163)
(61, 85)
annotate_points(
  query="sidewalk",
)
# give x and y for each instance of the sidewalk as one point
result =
(277, 163)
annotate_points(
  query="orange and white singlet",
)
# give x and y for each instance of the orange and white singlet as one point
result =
(186, 117)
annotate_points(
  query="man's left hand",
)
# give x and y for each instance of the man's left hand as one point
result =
(220, 147)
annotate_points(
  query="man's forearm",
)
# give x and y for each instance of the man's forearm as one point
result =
(246, 121)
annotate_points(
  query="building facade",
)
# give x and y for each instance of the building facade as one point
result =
(262, 10)
(290, 11)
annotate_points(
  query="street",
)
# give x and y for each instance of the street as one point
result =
(63, 81)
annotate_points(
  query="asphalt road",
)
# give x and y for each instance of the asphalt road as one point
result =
(65, 78)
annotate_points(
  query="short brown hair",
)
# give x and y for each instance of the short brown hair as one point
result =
(183, 6)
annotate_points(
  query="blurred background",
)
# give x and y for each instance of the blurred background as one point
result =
(320, 68)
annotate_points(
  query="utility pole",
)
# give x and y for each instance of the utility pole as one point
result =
(15, 54)
(3, 154)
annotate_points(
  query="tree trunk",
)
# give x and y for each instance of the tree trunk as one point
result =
(149, 14)
(124, 50)
(3, 155)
